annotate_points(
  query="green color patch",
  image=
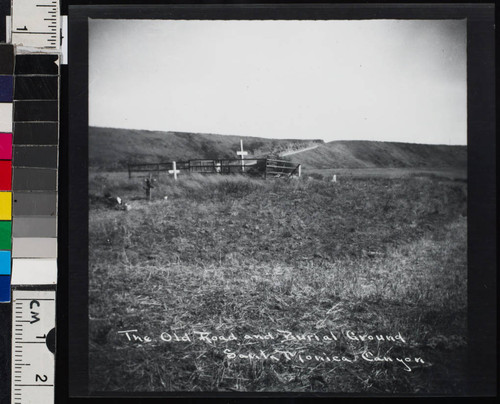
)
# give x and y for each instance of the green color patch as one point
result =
(5, 235)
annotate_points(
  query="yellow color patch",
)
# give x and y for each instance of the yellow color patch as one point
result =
(5, 205)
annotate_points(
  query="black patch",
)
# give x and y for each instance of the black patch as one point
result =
(35, 88)
(35, 156)
(6, 59)
(36, 111)
(34, 179)
(39, 133)
(36, 64)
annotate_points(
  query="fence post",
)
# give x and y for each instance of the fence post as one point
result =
(300, 169)
(149, 185)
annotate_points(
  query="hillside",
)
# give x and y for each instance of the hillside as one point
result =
(113, 149)
(369, 154)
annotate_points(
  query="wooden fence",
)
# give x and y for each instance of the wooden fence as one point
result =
(268, 167)
(282, 168)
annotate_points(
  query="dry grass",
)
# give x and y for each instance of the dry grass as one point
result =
(237, 255)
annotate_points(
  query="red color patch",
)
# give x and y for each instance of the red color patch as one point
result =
(5, 175)
(5, 146)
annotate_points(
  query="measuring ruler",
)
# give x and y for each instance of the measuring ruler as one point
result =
(36, 23)
(33, 346)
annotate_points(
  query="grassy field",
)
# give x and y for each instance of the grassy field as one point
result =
(449, 173)
(272, 285)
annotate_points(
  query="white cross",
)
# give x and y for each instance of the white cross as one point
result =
(242, 153)
(174, 171)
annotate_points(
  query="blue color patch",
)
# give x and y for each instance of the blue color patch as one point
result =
(6, 88)
(4, 288)
(4, 262)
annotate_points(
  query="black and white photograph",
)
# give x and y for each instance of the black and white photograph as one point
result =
(277, 206)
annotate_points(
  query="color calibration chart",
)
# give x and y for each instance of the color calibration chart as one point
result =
(29, 115)
(29, 138)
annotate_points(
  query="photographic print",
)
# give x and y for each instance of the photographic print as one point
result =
(278, 206)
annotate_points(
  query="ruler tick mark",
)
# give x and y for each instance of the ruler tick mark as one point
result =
(32, 342)
(37, 299)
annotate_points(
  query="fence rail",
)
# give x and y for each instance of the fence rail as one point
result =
(259, 167)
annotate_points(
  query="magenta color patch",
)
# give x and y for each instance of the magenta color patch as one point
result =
(5, 146)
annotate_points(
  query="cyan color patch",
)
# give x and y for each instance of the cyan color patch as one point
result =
(4, 262)
(4, 288)
(6, 83)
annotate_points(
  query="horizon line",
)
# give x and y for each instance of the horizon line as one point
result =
(287, 139)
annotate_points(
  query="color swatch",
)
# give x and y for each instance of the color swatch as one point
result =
(4, 262)
(39, 133)
(6, 116)
(6, 59)
(6, 87)
(40, 271)
(31, 64)
(4, 288)
(5, 146)
(5, 175)
(5, 205)
(36, 87)
(5, 235)
(34, 247)
(34, 204)
(34, 179)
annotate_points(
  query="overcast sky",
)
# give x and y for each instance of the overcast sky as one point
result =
(388, 80)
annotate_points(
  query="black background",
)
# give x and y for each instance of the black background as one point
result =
(72, 330)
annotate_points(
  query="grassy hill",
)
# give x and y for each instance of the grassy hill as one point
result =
(113, 149)
(369, 154)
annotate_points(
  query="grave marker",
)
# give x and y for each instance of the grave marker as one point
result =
(174, 171)
(242, 153)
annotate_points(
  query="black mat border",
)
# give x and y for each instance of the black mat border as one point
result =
(481, 171)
